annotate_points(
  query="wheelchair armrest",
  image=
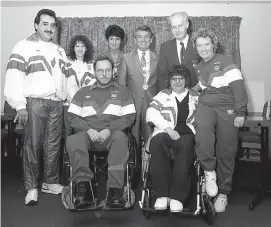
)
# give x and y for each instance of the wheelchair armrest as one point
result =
(150, 124)
(128, 133)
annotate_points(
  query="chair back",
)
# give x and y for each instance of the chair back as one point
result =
(8, 109)
(267, 109)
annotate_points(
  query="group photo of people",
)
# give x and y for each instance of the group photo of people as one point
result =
(156, 111)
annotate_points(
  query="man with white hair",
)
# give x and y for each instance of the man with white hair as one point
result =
(177, 51)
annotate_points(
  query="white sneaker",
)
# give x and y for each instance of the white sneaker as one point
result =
(221, 202)
(161, 203)
(31, 197)
(211, 186)
(52, 188)
(175, 206)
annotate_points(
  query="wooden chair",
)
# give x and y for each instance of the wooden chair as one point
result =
(17, 140)
(249, 139)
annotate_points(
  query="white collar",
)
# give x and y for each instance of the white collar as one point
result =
(181, 96)
(140, 52)
(185, 41)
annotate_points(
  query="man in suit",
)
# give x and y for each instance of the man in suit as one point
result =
(138, 72)
(177, 51)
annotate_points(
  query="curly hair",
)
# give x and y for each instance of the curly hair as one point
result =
(114, 30)
(80, 39)
(204, 33)
(179, 70)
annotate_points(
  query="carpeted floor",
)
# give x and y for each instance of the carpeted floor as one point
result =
(51, 213)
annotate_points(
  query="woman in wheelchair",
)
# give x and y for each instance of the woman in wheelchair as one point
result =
(172, 113)
(99, 113)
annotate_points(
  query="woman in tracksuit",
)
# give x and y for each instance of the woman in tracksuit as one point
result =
(221, 110)
(172, 113)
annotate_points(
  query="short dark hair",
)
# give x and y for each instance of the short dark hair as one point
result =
(48, 12)
(114, 30)
(144, 28)
(85, 40)
(179, 70)
(103, 58)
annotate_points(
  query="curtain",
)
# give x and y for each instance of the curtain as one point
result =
(226, 28)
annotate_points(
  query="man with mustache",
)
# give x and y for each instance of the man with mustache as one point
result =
(36, 86)
(177, 51)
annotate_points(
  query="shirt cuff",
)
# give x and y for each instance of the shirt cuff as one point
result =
(21, 106)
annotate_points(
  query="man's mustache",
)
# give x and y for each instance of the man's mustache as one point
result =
(49, 32)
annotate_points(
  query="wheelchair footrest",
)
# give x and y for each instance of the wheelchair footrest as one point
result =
(103, 206)
(94, 208)
(152, 209)
(186, 211)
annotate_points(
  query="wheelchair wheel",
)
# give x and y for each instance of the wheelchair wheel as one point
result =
(147, 204)
(65, 169)
(136, 167)
(132, 197)
(209, 214)
(66, 175)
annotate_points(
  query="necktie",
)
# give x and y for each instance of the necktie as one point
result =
(143, 65)
(182, 51)
(143, 59)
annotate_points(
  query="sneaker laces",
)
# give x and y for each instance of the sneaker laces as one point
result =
(222, 197)
(210, 176)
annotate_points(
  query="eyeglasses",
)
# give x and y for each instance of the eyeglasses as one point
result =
(175, 79)
(101, 71)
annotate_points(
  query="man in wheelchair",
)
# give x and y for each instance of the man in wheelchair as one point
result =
(99, 114)
(172, 114)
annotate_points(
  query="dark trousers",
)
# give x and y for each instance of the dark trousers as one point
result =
(43, 130)
(140, 128)
(67, 128)
(78, 146)
(216, 142)
(167, 182)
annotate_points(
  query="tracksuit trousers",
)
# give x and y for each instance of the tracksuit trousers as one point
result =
(216, 142)
(167, 182)
(78, 146)
(43, 131)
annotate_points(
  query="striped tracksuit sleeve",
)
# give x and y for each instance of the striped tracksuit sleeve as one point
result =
(15, 78)
(128, 113)
(78, 123)
(237, 85)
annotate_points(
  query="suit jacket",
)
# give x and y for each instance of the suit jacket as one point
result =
(169, 56)
(130, 75)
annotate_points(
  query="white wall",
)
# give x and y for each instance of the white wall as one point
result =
(17, 23)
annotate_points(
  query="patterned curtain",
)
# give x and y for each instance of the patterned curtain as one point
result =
(226, 28)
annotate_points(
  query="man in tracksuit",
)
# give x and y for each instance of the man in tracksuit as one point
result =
(36, 86)
(99, 113)
(221, 110)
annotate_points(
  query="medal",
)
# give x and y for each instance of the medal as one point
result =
(145, 87)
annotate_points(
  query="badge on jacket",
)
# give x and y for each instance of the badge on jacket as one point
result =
(114, 94)
(217, 66)
(194, 63)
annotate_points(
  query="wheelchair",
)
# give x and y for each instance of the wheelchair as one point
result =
(98, 165)
(204, 205)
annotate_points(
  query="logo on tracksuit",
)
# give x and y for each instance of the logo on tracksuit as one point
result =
(230, 112)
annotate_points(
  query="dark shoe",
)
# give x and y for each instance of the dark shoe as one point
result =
(83, 195)
(114, 198)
